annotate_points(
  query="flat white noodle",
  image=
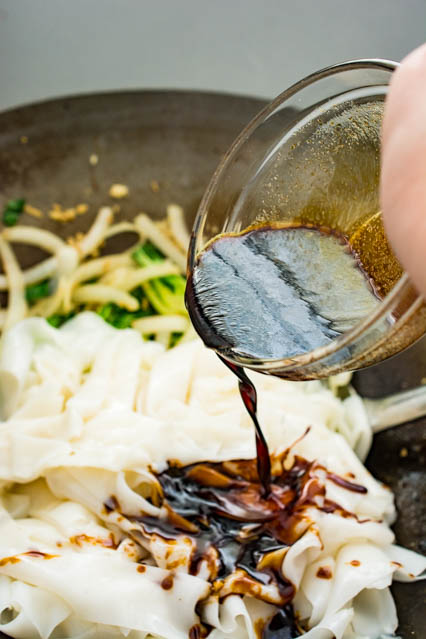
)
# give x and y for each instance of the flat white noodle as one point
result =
(236, 616)
(84, 408)
(27, 612)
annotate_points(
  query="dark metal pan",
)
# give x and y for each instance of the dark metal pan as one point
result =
(177, 139)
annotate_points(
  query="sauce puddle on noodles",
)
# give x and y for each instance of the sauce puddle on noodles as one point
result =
(240, 534)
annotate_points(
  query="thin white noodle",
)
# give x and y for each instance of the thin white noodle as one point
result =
(125, 227)
(121, 227)
(176, 220)
(101, 294)
(161, 324)
(17, 305)
(127, 279)
(93, 268)
(96, 234)
(51, 304)
(161, 241)
(35, 273)
(67, 258)
(37, 237)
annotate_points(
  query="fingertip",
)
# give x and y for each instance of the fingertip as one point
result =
(403, 175)
(407, 91)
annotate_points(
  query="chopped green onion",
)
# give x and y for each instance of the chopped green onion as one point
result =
(12, 211)
(146, 254)
(57, 319)
(10, 218)
(175, 339)
(37, 291)
(16, 205)
(343, 392)
(121, 318)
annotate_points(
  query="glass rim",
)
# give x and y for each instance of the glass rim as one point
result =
(389, 300)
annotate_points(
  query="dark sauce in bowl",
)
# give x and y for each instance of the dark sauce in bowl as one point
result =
(273, 293)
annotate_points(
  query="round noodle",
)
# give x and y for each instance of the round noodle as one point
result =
(102, 294)
(96, 234)
(146, 226)
(128, 279)
(35, 236)
(95, 268)
(178, 228)
(40, 271)
(17, 306)
(160, 324)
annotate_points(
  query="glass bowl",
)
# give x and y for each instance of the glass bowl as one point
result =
(312, 156)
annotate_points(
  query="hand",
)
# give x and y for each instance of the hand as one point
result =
(403, 177)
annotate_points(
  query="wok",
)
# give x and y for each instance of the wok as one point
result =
(177, 139)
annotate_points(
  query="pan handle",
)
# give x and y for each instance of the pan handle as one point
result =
(396, 409)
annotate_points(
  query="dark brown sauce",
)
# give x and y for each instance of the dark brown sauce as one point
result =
(249, 397)
(277, 292)
(244, 517)
(196, 632)
(282, 625)
(239, 530)
(111, 504)
(167, 583)
(106, 542)
(39, 555)
(349, 485)
(324, 572)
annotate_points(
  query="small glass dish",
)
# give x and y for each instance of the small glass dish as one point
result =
(312, 156)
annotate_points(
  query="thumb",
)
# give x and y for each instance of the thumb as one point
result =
(403, 176)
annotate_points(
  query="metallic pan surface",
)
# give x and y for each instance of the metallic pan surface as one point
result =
(177, 139)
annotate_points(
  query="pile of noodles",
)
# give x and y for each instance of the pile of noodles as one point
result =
(90, 412)
(80, 279)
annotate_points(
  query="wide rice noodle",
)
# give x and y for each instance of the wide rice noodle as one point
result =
(86, 418)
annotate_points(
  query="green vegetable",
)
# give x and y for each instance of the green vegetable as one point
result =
(12, 211)
(342, 392)
(10, 218)
(166, 294)
(120, 317)
(174, 339)
(146, 254)
(16, 205)
(57, 319)
(35, 292)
